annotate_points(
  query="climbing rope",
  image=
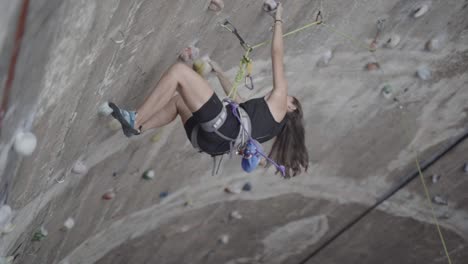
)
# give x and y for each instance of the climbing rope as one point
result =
(434, 218)
(245, 66)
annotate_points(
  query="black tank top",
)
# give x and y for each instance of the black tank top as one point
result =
(264, 126)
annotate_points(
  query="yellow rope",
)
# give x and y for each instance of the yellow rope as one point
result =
(434, 218)
(348, 37)
(244, 65)
(290, 33)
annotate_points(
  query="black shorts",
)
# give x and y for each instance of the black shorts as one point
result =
(211, 143)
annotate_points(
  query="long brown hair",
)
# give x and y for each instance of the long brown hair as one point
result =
(289, 147)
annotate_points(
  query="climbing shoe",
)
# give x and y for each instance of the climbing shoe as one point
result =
(126, 119)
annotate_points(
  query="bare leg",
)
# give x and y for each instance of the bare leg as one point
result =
(176, 106)
(194, 90)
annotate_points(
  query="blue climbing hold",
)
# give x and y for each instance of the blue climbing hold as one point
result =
(163, 194)
(247, 187)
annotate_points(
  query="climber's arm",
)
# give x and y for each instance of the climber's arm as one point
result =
(277, 100)
(224, 80)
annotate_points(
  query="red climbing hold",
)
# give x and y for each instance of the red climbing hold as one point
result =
(216, 5)
(189, 54)
(109, 195)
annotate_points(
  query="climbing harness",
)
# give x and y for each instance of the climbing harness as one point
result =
(239, 143)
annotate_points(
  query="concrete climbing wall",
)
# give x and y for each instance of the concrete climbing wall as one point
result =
(364, 126)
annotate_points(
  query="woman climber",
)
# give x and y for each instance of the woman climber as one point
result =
(182, 92)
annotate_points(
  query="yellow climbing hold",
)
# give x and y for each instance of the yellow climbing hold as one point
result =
(156, 137)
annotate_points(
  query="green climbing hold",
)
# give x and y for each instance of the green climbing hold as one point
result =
(40, 235)
(387, 91)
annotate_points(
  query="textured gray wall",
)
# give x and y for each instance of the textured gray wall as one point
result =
(361, 144)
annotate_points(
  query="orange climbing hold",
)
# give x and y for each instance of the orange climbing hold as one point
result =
(372, 66)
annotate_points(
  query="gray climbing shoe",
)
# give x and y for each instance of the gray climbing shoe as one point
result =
(126, 119)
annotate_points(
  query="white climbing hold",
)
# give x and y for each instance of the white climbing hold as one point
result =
(114, 125)
(436, 44)
(224, 239)
(424, 72)
(421, 10)
(435, 178)
(325, 58)
(6, 260)
(235, 215)
(44, 231)
(184, 228)
(189, 54)
(80, 167)
(439, 200)
(392, 41)
(202, 66)
(216, 5)
(233, 189)
(69, 223)
(7, 228)
(25, 143)
(6, 215)
(270, 5)
(105, 109)
(149, 175)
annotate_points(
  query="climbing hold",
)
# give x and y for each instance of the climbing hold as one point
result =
(202, 66)
(421, 10)
(25, 143)
(40, 234)
(270, 5)
(156, 136)
(184, 228)
(188, 203)
(6, 215)
(247, 187)
(436, 44)
(148, 175)
(80, 168)
(465, 168)
(121, 40)
(392, 41)
(105, 109)
(6, 260)
(435, 178)
(7, 228)
(163, 194)
(69, 223)
(387, 91)
(424, 73)
(233, 189)
(325, 58)
(224, 239)
(189, 54)
(114, 125)
(109, 195)
(372, 66)
(216, 5)
(235, 215)
(439, 200)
